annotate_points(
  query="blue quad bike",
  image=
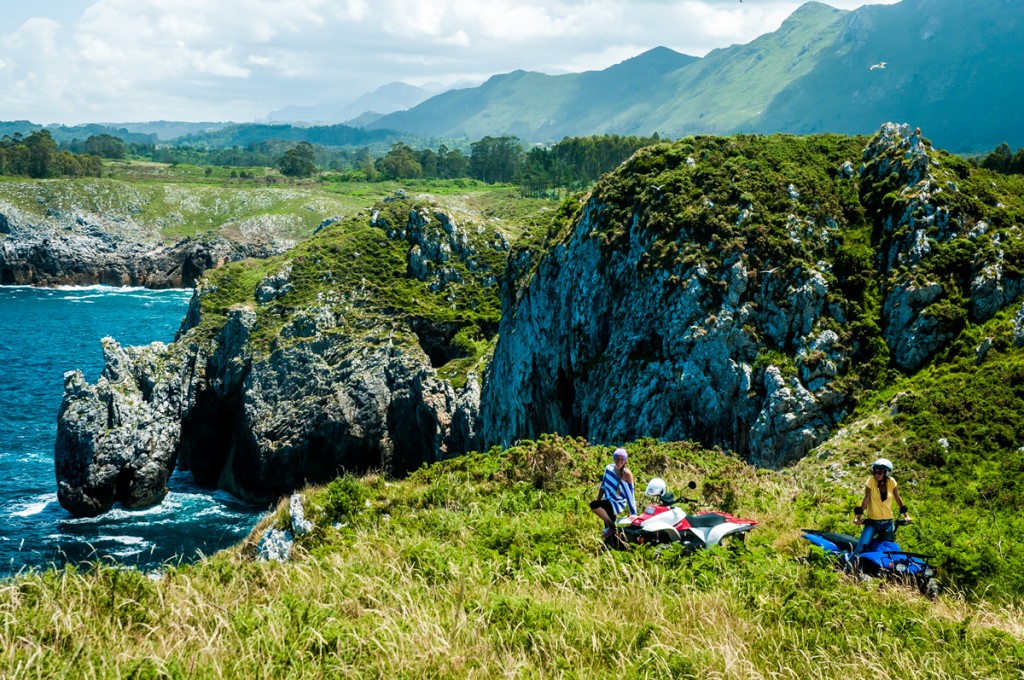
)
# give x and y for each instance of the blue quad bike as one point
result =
(883, 558)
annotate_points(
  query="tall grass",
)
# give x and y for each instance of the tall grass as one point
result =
(491, 566)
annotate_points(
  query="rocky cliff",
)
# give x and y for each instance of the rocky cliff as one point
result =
(743, 292)
(99, 231)
(292, 370)
(83, 260)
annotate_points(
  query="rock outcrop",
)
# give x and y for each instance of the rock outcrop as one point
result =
(79, 260)
(117, 440)
(680, 307)
(339, 387)
(104, 231)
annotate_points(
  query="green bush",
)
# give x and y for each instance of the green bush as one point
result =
(342, 499)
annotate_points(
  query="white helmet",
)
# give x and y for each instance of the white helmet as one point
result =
(882, 463)
(655, 487)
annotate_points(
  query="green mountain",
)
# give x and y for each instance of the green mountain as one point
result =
(243, 134)
(948, 66)
(166, 130)
(951, 67)
(67, 133)
(729, 87)
(541, 107)
(385, 99)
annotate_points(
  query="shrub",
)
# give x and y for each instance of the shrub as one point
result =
(343, 498)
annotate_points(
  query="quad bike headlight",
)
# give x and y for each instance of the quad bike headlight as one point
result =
(901, 568)
(929, 572)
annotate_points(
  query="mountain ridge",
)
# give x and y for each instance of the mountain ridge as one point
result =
(949, 66)
(388, 98)
(811, 75)
(538, 102)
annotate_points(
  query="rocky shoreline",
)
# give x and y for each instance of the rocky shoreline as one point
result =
(112, 232)
(82, 260)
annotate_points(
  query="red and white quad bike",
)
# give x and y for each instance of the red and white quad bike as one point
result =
(663, 522)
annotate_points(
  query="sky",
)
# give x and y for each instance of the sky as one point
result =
(80, 61)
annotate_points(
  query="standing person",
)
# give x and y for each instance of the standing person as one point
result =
(616, 492)
(875, 511)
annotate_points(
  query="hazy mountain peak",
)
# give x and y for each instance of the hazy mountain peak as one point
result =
(656, 60)
(388, 98)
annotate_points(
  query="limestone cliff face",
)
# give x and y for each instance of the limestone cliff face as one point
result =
(81, 260)
(117, 440)
(692, 300)
(592, 349)
(100, 231)
(942, 259)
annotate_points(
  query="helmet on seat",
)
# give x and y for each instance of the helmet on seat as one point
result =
(882, 464)
(655, 487)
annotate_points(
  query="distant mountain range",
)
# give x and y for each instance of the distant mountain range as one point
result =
(138, 133)
(948, 66)
(384, 100)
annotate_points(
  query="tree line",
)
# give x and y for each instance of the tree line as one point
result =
(1003, 160)
(571, 164)
(37, 156)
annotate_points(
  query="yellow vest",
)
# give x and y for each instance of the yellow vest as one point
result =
(877, 508)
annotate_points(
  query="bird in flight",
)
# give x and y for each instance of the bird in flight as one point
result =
(880, 64)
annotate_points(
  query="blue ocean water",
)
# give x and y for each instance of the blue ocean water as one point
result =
(43, 333)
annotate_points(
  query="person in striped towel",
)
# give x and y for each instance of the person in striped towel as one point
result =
(616, 492)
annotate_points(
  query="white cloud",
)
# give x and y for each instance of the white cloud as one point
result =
(356, 10)
(86, 60)
(512, 22)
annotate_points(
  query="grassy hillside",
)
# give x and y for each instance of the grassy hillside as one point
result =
(539, 107)
(364, 274)
(731, 86)
(169, 210)
(491, 565)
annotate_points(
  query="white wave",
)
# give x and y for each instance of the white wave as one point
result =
(171, 510)
(126, 540)
(116, 289)
(133, 546)
(35, 508)
(214, 511)
(119, 513)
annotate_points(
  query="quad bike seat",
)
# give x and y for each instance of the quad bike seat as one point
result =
(843, 542)
(706, 520)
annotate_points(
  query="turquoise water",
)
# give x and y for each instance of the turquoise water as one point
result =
(43, 333)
